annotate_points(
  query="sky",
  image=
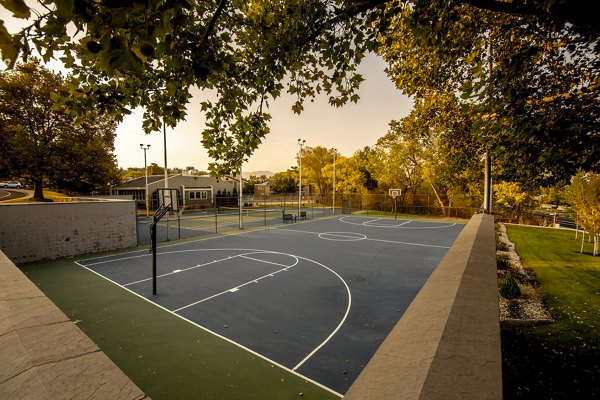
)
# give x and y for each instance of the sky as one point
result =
(347, 129)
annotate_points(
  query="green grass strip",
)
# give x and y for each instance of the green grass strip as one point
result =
(569, 280)
(560, 360)
(167, 357)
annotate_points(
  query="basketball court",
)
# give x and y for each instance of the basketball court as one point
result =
(316, 297)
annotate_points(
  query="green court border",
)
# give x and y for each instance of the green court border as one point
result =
(167, 357)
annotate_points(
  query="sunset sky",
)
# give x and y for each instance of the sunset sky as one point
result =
(348, 129)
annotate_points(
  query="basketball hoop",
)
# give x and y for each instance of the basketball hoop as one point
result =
(395, 192)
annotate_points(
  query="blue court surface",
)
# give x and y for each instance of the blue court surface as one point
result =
(315, 297)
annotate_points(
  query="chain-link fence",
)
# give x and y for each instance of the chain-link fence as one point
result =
(265, 210)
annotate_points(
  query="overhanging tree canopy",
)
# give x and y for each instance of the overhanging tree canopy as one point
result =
(532, 82)
(151, 53)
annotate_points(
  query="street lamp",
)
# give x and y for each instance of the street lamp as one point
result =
(334, 154)
(146, 173)
(301, 144)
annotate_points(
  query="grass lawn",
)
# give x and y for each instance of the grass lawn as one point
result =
(167, 357)
(49, 195)
(561, 360)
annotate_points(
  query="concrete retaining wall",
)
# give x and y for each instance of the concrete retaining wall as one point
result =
(37, 231)
(46, 356)
(447, 344)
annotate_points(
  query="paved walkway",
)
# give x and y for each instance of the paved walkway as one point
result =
(45, 355)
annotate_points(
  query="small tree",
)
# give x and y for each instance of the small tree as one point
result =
(285, 182)
(155, 169)
(512, 198)
(42, 141)
(585, 196)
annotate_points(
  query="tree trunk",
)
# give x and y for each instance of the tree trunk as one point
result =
(582, 242)
(38, 193)
(440, 202)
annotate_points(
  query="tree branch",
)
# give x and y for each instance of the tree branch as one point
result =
(508, 7)
(213, 22)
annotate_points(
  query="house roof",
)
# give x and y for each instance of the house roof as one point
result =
(141, 182)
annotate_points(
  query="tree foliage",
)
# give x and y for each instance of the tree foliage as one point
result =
(315, 162)
(432, 146)
(349, 174)
(155, 169)
(285, 182)
(585, 196)
(538, 103)
(152, 53)
(530, 81)
(512, 199)
(42, 142)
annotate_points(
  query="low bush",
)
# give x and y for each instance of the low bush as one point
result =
(509, 287)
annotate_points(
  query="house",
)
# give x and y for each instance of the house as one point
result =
(263, 188)
(193, 191)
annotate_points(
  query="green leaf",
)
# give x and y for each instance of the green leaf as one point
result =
(17, 7)
(137, 51)
(8, 50)
(172, 87)
(64, 8)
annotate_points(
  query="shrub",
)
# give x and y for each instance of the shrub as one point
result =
(503, 262)
(509, 287)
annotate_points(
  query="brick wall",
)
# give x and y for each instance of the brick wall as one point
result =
(37, 231)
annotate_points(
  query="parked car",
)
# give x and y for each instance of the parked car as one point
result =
(11, 185)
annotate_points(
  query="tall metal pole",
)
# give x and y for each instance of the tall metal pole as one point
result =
(333, 206)
(487, 187)
(487, 192)
(146, 173)
(240, 198)
(301, 144)
(166, 173)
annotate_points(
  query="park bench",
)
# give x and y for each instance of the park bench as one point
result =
(302, 214)
(288, 217)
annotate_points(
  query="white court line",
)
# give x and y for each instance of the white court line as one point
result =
(115, 259)
(236, 288)
(265, 261)
(343, 320)
(367, 238)
(399, 226)
(198, 266)
(371, 223)
(307, 379)
(409, 244)
(178, 271)
(251, 251)
(164, 246)
(256, 280)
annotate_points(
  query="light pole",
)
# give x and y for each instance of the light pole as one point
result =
(301, 144)
(166, 175)
(146, 173)
(333, 206)
(487, 187)
(241, 197)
